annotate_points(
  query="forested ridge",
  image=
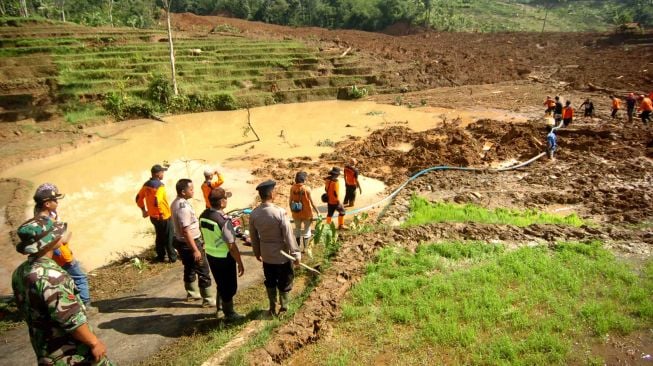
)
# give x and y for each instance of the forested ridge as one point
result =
(371, 15)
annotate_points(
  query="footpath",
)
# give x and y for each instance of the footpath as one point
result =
(135, 326)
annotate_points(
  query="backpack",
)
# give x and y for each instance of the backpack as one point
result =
(297, 206)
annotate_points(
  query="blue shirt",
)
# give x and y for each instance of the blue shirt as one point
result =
(551, 140)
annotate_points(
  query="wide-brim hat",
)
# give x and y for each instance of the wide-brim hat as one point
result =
(335, 171)
(39, 234)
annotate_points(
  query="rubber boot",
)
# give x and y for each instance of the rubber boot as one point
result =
(208, 298)
(284, 302)
(229, 314)
(328, 220)
(192, 291)
(272, 298)
(341, 222)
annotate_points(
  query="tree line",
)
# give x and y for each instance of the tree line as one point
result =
(371, 15)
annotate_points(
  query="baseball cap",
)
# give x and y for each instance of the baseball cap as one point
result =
(47, 192)
(157, 169)
(39, 234)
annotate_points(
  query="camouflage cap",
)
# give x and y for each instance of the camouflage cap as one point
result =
(39, 234)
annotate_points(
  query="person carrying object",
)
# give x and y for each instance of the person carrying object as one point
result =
(222, 252)
(190, 245)
(270, 234)
(46, 199)
(302, 208)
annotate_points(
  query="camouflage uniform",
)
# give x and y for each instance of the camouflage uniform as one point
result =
(47, 299)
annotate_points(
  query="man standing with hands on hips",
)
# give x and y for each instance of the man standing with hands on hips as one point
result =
(271, 233)
(188, 242)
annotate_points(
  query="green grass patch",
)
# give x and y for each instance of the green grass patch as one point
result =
(474, 303)
(424, 212)
(85, 113)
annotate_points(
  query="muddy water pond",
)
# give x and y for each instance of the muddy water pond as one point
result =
(101, 179)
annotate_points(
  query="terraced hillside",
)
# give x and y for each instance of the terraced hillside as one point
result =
(43, 66)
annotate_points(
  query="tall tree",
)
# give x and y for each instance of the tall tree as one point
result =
(166, 6)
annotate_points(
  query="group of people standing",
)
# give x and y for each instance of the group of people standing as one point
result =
(52, 292)
(565, 113)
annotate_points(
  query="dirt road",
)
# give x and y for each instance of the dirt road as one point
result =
(136, 325)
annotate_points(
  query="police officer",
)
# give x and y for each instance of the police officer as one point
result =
(47, 299)
(221, 251)
(188, 242)
(270, 233)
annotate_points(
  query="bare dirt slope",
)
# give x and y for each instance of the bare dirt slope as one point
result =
(436, 59)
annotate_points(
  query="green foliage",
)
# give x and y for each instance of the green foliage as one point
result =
(360, 225)
(357, 93)
(423, 212)
(122, 107)
(327, 234)
(482, 304)
(160, 91)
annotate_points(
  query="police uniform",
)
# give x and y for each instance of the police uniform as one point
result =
(183, 218)
(48, 300)
(270, 233)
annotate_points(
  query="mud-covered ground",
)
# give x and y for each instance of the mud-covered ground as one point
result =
(603, 169)
(603, 172)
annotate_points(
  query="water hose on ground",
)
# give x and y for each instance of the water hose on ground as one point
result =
(437, 168)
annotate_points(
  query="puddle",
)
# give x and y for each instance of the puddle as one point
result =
(101, 179)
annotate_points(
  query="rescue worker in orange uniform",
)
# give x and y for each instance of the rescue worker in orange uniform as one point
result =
(616, 105)
(332, 188)
(351, 183)
(153, 202)
(212, 179)
(302, 208)
(645, 107)
(567, 114)
(549, 103)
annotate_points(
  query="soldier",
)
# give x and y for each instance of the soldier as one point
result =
(188, 242)
(271, 233)
(153, 202)
(47, 299)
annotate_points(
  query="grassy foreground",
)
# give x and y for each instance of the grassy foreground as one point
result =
(424, 212)
(472, 303)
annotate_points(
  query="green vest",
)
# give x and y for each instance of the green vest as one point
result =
(214, 245)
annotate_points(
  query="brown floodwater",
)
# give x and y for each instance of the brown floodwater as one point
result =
(101, 179)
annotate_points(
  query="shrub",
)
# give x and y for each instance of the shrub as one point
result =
(160, 91)
(121, 107)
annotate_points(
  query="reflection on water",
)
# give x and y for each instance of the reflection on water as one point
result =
(101, 179)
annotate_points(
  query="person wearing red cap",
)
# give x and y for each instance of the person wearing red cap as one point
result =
(645, 107)
(631, 101)
(153, 202)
